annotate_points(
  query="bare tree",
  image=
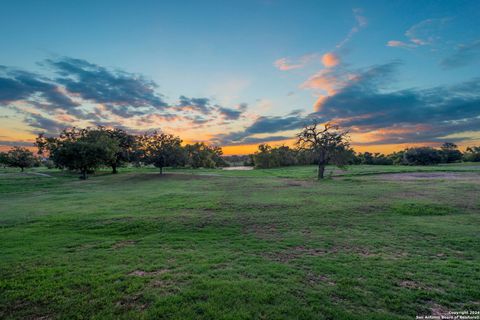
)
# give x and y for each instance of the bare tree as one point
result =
(328, 143)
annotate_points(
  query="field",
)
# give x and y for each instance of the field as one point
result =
(373, 242)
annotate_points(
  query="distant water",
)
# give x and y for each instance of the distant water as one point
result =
(238, 168)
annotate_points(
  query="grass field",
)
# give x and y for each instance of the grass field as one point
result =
(373, 242)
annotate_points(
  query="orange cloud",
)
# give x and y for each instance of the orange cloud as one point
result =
(284, 65)
(330, 60)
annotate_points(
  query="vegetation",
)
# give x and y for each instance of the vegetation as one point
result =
(329, 145)
(89, 149)
(18, 157)
(275, 244)
(161, 150)
(82, 150)
(450, 153)
(3, 159)
(472, 154)
(201, 155)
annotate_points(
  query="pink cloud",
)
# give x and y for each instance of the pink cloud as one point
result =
(330, 59)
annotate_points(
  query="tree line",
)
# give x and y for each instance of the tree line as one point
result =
(270, 157)
(85, 150)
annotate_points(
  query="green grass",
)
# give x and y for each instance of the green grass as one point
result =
(261, 244)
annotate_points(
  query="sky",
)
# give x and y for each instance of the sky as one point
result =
(396, 74)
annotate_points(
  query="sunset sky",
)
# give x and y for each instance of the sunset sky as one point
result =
(240, 73)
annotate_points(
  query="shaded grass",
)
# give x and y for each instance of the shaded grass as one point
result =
(141, 246)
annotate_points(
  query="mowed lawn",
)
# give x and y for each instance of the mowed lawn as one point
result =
(262, 244)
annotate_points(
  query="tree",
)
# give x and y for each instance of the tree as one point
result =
(450, 153)
(328, 143)
(126, 144)
(4, 159)
(80, 149)
(271, 157)
(21, 158)
(421, 156)
(202, 155)
(472, 154)
(263, 157)
(397, 157)
(161, 150)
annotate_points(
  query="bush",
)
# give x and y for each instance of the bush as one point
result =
(49, 164)
(472, 154)
(373, 159)
(268, 157)
(422, 156)
(450, 153)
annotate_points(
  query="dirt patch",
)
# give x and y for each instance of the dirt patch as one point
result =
(314, 279)
(136, 301)
(409, 284)
(297, 183)
(413, 176)
(123, 244)
(438, 310)
(142, 273)
(262, 231)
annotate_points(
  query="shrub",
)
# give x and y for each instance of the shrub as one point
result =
(423, 156)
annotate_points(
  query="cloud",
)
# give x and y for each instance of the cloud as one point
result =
(327, 82)
(366, 105)
(424, 33)
(376, 114)
(15, 143)
(330, 59)
(360, 22)
(83, 93)
(285, 64)
(117, 89)
(399, 44)
(43, 124)
(232, 114)
(201, 105)
(464, 55)
(262, 125)
(18, 85)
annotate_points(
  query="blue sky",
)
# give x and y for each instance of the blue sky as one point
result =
(260, 58)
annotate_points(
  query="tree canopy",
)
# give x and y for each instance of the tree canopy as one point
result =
(328, 143)
(80, 149)
(20, 158)
(161, 150)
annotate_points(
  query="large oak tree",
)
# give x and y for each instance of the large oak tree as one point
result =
(328, 143)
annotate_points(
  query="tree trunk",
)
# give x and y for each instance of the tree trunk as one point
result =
(21, 168)
(161, 170)
(83, 174)
(114, 169)
(321, 171)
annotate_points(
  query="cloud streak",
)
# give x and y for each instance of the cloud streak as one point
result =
(424, 33)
